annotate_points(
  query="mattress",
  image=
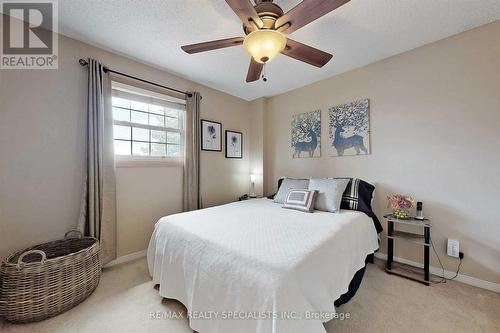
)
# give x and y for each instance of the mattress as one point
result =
(255, 267)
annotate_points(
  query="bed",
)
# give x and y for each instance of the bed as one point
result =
(254, 267)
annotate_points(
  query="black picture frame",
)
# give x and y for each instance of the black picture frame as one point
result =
(204, 122)
(227, 144)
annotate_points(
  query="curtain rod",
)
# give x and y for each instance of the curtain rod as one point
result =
(84, 62)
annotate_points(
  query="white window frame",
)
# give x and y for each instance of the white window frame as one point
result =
(150, 97)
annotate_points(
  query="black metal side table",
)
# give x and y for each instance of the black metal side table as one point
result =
(423, 239)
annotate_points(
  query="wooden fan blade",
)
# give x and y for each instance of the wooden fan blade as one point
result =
(254, 71)
(212, 45)
(246, 12)
(306, 53)
(306, 12)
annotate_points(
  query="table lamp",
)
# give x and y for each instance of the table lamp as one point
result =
(252, 182)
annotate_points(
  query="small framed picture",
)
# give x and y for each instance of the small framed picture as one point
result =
(234, 144)
(211, 135)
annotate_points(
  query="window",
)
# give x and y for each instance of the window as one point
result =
(146, 126)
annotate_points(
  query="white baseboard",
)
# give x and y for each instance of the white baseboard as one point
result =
(126, 258)
(439, 272)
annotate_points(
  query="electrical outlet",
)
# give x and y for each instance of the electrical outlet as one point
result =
(453, 249)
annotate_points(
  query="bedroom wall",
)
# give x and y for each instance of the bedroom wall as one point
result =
(435, 134)
(42, 122)
(256, 111)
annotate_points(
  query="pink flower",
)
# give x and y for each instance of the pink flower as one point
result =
(400, 201)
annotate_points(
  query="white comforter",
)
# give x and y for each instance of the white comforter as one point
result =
(254, 267)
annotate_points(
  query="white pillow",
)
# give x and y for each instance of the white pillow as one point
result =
(329, 193)
(290, 184)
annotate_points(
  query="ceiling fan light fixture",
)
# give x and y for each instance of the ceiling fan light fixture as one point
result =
(264, 45)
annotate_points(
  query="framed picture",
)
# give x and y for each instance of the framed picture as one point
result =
(234, 144)
(211, 135)
(350, 128)
(306, 134)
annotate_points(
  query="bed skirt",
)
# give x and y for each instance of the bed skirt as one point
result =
(355, 283)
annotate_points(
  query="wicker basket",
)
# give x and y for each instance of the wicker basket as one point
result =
(48, 279)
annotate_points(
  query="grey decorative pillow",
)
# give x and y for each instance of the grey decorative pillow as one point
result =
(302, 200)
(287, 185)
(329, 193)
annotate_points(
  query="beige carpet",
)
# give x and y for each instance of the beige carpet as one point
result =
(126, 297)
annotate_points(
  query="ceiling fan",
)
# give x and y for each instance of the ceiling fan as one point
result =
(266, 26)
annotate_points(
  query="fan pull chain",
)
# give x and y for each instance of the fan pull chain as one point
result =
(264, 77)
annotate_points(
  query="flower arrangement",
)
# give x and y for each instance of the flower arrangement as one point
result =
(401, 205)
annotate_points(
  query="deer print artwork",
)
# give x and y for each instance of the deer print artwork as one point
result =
(306, 134)
(350, 128)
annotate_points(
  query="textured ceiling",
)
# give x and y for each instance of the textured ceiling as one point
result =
(358, 33)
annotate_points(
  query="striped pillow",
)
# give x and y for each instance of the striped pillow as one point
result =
(302, 200)
(358, 196)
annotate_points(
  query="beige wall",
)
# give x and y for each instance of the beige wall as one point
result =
(435, 121)
(257, 109)
(435, 134)
(143, 196)
(42, 122)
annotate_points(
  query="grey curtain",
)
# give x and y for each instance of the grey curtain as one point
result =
(98, 208)
(191, 175)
